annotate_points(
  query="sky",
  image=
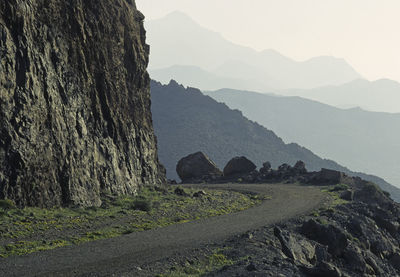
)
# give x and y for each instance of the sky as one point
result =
(366, 33)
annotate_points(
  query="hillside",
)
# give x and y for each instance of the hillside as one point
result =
(186, 121)
(178, 40)
(364, 141)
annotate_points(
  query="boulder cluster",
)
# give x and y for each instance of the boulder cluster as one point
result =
(198, 168)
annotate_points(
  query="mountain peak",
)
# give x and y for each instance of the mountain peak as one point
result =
(272, 52)
(178, 16)
(174, 84)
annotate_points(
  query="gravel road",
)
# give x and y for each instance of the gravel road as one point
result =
(114, 257)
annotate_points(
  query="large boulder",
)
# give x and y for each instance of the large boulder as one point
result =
(197, 167)
(300, 167)
(266, 168)
(323, 269)
(328, 176)
(329, 235)
(300, 251)
(239, 166)
(354, 258)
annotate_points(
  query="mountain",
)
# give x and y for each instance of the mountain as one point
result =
(197, 77)
(365, 141)
(178, 40)
(380, 96)
(186, 121)
(75, 117)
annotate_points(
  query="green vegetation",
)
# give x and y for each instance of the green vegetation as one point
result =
(340, 187)
(26, 247)
(28, 230)
(334, 194)
(210, 263)
(323, 221)
(315, 214)
(7, 204)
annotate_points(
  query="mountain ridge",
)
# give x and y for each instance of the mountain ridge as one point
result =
(197, 46)
(381, 95)
(364, 140)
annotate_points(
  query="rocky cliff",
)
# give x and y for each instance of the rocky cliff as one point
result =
(75, 118)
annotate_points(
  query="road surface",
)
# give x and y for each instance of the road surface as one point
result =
(122, 254)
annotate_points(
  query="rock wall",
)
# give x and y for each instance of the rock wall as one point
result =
(75, 118)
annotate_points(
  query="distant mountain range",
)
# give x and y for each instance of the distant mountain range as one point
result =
(195, 56)
(178, 40)
(380, 96)
(186, 121)
(365, 141)
(194, 76)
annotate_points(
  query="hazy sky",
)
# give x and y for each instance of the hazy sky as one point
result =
(364, 32)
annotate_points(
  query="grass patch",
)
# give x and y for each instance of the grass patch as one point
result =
(340, 187)
(315, 214)
(27, 247)
(334, 194)
(211, 263)
(23, 231)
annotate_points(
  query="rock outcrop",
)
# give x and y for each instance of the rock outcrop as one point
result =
(197, 168)
(75, 118)
(328, 176)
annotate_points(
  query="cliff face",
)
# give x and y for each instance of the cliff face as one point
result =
(75, 116)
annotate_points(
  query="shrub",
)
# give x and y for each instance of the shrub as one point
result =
(340, 187)
(7, 204)
(142, 205)
(386, 193)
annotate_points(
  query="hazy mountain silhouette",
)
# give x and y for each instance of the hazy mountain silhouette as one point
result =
(381, 95)
(186, 121)
(365, 141)
(177, 40)
(194, 76)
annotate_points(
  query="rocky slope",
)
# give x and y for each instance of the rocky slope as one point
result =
(359, 237)
(186, 121)
(75, 116)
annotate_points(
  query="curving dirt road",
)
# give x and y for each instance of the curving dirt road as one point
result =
(120, 255)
